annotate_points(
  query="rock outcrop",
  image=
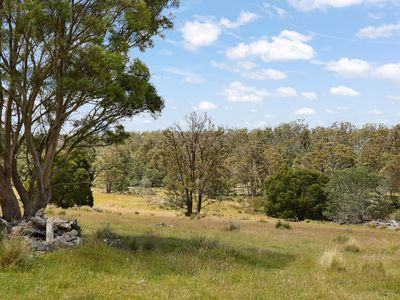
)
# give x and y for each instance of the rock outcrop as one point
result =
(36, 232)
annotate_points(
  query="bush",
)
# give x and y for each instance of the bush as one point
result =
(106, 232)
(14, 252)
(296, 194)
(357, 195)
(281, 225)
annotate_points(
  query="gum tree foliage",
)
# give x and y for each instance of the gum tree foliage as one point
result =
(296, 194)
(67, 80)
(357, 195)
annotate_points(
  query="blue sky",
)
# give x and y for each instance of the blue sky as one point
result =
(260, 63)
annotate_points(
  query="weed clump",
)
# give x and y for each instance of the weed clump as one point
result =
(282, 225)
(14, 252)
(332, 260)
(106, 232)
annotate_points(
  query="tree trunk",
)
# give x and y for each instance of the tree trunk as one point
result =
(199, 203)
(189, 202)
(9, 205)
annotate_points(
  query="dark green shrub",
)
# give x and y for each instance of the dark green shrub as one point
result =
(296, 194)
(72, 185)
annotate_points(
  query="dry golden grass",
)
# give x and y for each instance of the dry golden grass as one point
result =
(255, 262)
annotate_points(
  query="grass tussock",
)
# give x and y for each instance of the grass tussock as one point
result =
(14, 252)
(231, 226)
(332, 259)
(374, 266)
(106, 232)
(149, 242)
(341, 239)
(282, 225)
(352, 246)
(201, 243)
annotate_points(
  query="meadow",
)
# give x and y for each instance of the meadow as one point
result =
(228, 253)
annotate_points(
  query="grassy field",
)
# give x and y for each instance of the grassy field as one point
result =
(203, 259)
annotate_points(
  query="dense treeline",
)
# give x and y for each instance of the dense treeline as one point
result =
(246, 159)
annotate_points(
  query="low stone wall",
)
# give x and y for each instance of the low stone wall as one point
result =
(45, 234)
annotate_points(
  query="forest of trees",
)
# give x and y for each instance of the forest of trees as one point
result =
(203, 161)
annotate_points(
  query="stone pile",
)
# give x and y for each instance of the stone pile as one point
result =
(391, 224)
(45, 234)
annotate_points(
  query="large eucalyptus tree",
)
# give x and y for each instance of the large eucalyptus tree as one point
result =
(67, 80)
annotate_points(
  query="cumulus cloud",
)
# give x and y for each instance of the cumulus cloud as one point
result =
(199, 34)
(238, 92)
(375, 32)
(308, 5)
(309, 95)
(344, 91)
(288, 45)
(349, 67)
(265, 74)
(305, 111)
(389, 72)
(205, 105)
(205, 31)
(245, 17)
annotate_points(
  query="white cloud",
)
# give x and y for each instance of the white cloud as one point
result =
(288, 45)
(198, 34)
(188, 77)
(205, 105)
(238, 92)
(247, 65)
(336, 111)
(308, 5)
(349, 67)
(273, 10)
(383, 31)
(389, 72)
(245, 17)
(265, 74)
(205, 31)
(285, 92)
(344, 91)
(309, 95)
(392, 97)
(305, 111)
(376, 112)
